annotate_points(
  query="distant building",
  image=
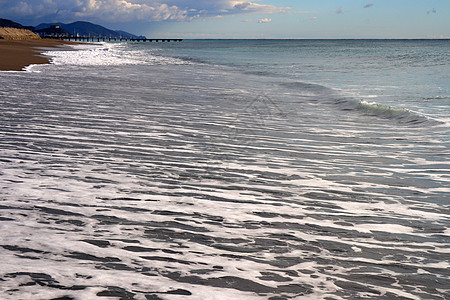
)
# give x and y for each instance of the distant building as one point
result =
(53, 31)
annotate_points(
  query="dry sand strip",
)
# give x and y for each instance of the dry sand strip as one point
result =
(17, 54)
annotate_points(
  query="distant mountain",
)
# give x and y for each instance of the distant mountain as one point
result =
(88, 29)
(12, 24)
(129, 35)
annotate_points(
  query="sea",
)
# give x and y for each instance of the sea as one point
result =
(227, 169)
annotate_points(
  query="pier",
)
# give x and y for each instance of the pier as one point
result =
(106, 39)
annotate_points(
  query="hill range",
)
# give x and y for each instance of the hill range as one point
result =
(89, 29)
(79, 28)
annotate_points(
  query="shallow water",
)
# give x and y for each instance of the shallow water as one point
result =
(216, 170)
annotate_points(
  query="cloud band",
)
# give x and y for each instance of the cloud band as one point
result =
(132, 10)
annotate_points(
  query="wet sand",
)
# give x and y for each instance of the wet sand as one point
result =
(15, 55)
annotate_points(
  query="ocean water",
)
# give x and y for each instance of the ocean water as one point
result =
(222, 169)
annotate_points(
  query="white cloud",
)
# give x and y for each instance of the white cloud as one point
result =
(127, 10)
(133, 10)
(252, 7)
(265, 20)
(307, 20)
(306, 12)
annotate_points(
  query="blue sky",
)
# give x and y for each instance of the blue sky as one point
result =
(246, 19)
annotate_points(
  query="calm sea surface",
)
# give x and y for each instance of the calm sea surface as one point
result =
(222, 169)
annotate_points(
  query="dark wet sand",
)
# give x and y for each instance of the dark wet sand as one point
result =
(15, 55)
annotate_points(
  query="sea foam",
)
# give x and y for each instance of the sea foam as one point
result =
(150, 180)
(92, 55)
(103, 54)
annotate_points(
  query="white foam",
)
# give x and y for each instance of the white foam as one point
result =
(310, 201)
(104, 54)
(91, 55)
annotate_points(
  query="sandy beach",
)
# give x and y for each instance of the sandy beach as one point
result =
(15, 55)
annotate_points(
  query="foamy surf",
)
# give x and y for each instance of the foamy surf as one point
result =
(102, 54)
(182, 181)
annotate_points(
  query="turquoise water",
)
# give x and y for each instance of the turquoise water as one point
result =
(403, 73)
(239, 169)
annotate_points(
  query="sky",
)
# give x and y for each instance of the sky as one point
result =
(294, 19)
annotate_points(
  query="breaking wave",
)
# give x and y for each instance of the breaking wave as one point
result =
(326, 95)
(399, 114)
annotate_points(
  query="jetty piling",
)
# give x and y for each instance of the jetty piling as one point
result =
(109, 39)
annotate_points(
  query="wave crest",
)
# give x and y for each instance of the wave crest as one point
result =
(401, 115)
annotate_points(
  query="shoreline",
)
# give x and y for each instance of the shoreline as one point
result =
(15, 55)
